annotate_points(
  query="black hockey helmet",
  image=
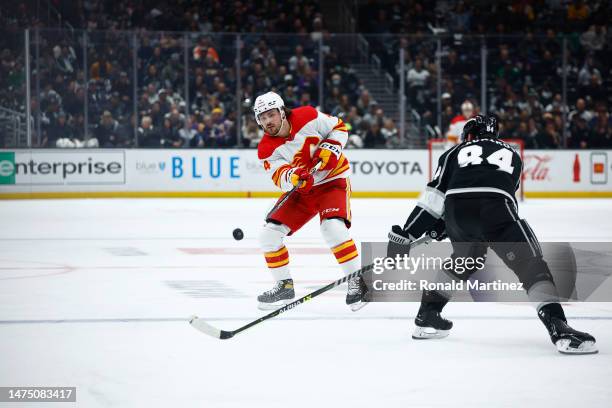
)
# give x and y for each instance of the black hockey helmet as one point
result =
(480, 126)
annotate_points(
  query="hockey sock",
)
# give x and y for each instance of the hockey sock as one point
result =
(278, 263)
(336, 235)
(543, 293)
(275, 252)
(433, 300)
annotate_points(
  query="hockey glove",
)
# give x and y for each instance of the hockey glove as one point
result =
(302, 178)
(399, 242)
(438, 231)
(328, 153)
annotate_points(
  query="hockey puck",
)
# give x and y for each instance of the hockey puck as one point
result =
(238, 234)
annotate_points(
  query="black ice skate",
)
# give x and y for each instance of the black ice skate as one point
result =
(356, 295)
(567, 340)
(429, 323)
(281, 294)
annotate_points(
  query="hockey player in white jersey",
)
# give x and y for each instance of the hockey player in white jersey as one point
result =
(297, 140)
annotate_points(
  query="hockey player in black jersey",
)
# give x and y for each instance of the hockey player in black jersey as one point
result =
(472, 192)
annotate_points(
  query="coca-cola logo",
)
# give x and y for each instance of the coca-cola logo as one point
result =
(536, 167)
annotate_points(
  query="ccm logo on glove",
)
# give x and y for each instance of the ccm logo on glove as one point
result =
(328, 154)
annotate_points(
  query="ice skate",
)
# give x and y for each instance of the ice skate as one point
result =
(356, 295)
(566, 339)
(430, 325)
(281, 294)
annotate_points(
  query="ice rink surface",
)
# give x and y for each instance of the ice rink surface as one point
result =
(96, 294)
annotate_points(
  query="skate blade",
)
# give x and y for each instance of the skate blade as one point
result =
(358, 306)
(425, 333)
(273, 305)
(587, 347)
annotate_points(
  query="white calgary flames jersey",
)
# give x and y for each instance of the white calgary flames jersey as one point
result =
(308, 128)
(456, 128)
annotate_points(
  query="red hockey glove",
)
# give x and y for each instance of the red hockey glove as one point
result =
(302, 178)
(328, 153)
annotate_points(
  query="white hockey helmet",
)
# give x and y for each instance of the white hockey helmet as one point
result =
(267, 101)
(467, 109)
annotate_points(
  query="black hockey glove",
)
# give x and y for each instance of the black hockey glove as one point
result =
(399, 242)
(438, 231)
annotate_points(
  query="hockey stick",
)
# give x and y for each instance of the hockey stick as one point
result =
(290, 193)
(204, 327)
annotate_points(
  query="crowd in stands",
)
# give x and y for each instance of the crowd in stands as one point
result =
(134, 85)
(525, 44)
(160, 73)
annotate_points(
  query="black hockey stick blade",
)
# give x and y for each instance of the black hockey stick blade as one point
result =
(212, 331)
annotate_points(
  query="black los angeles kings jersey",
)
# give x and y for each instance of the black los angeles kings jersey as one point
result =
(482, 167)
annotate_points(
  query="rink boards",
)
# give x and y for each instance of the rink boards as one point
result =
(83, 173)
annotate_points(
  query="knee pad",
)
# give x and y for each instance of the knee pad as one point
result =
(271, 236)
(334, 231)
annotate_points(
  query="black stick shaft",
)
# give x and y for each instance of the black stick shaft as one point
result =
(295, 303)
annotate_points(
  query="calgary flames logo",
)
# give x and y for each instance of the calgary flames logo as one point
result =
(303, 157)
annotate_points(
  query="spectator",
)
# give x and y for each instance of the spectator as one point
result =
(601, 129)
(587, 71)
(390, 133)
(188, 132)
(109, 133)
(100, 69)
(594, 39)
(124, 87)
(595, 89)
(354, 142)
(527, 137)
(374, 137)
(176, 118)
(57, 131)
(417, 76)
(578, 11)
(581, 111)
(222, 129)
(460, 18)
(147, 135)
(262, 52)
(170, 136)
(251, 133)
(204, 136)
(225, 98)
(290, 95)
(549, 138)
(418, 81)
(343, 106)
(556, 105)
(298, 59)
(204, 49)
(375, 115)
(65, 59)
(579, 138)
(365, 102)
